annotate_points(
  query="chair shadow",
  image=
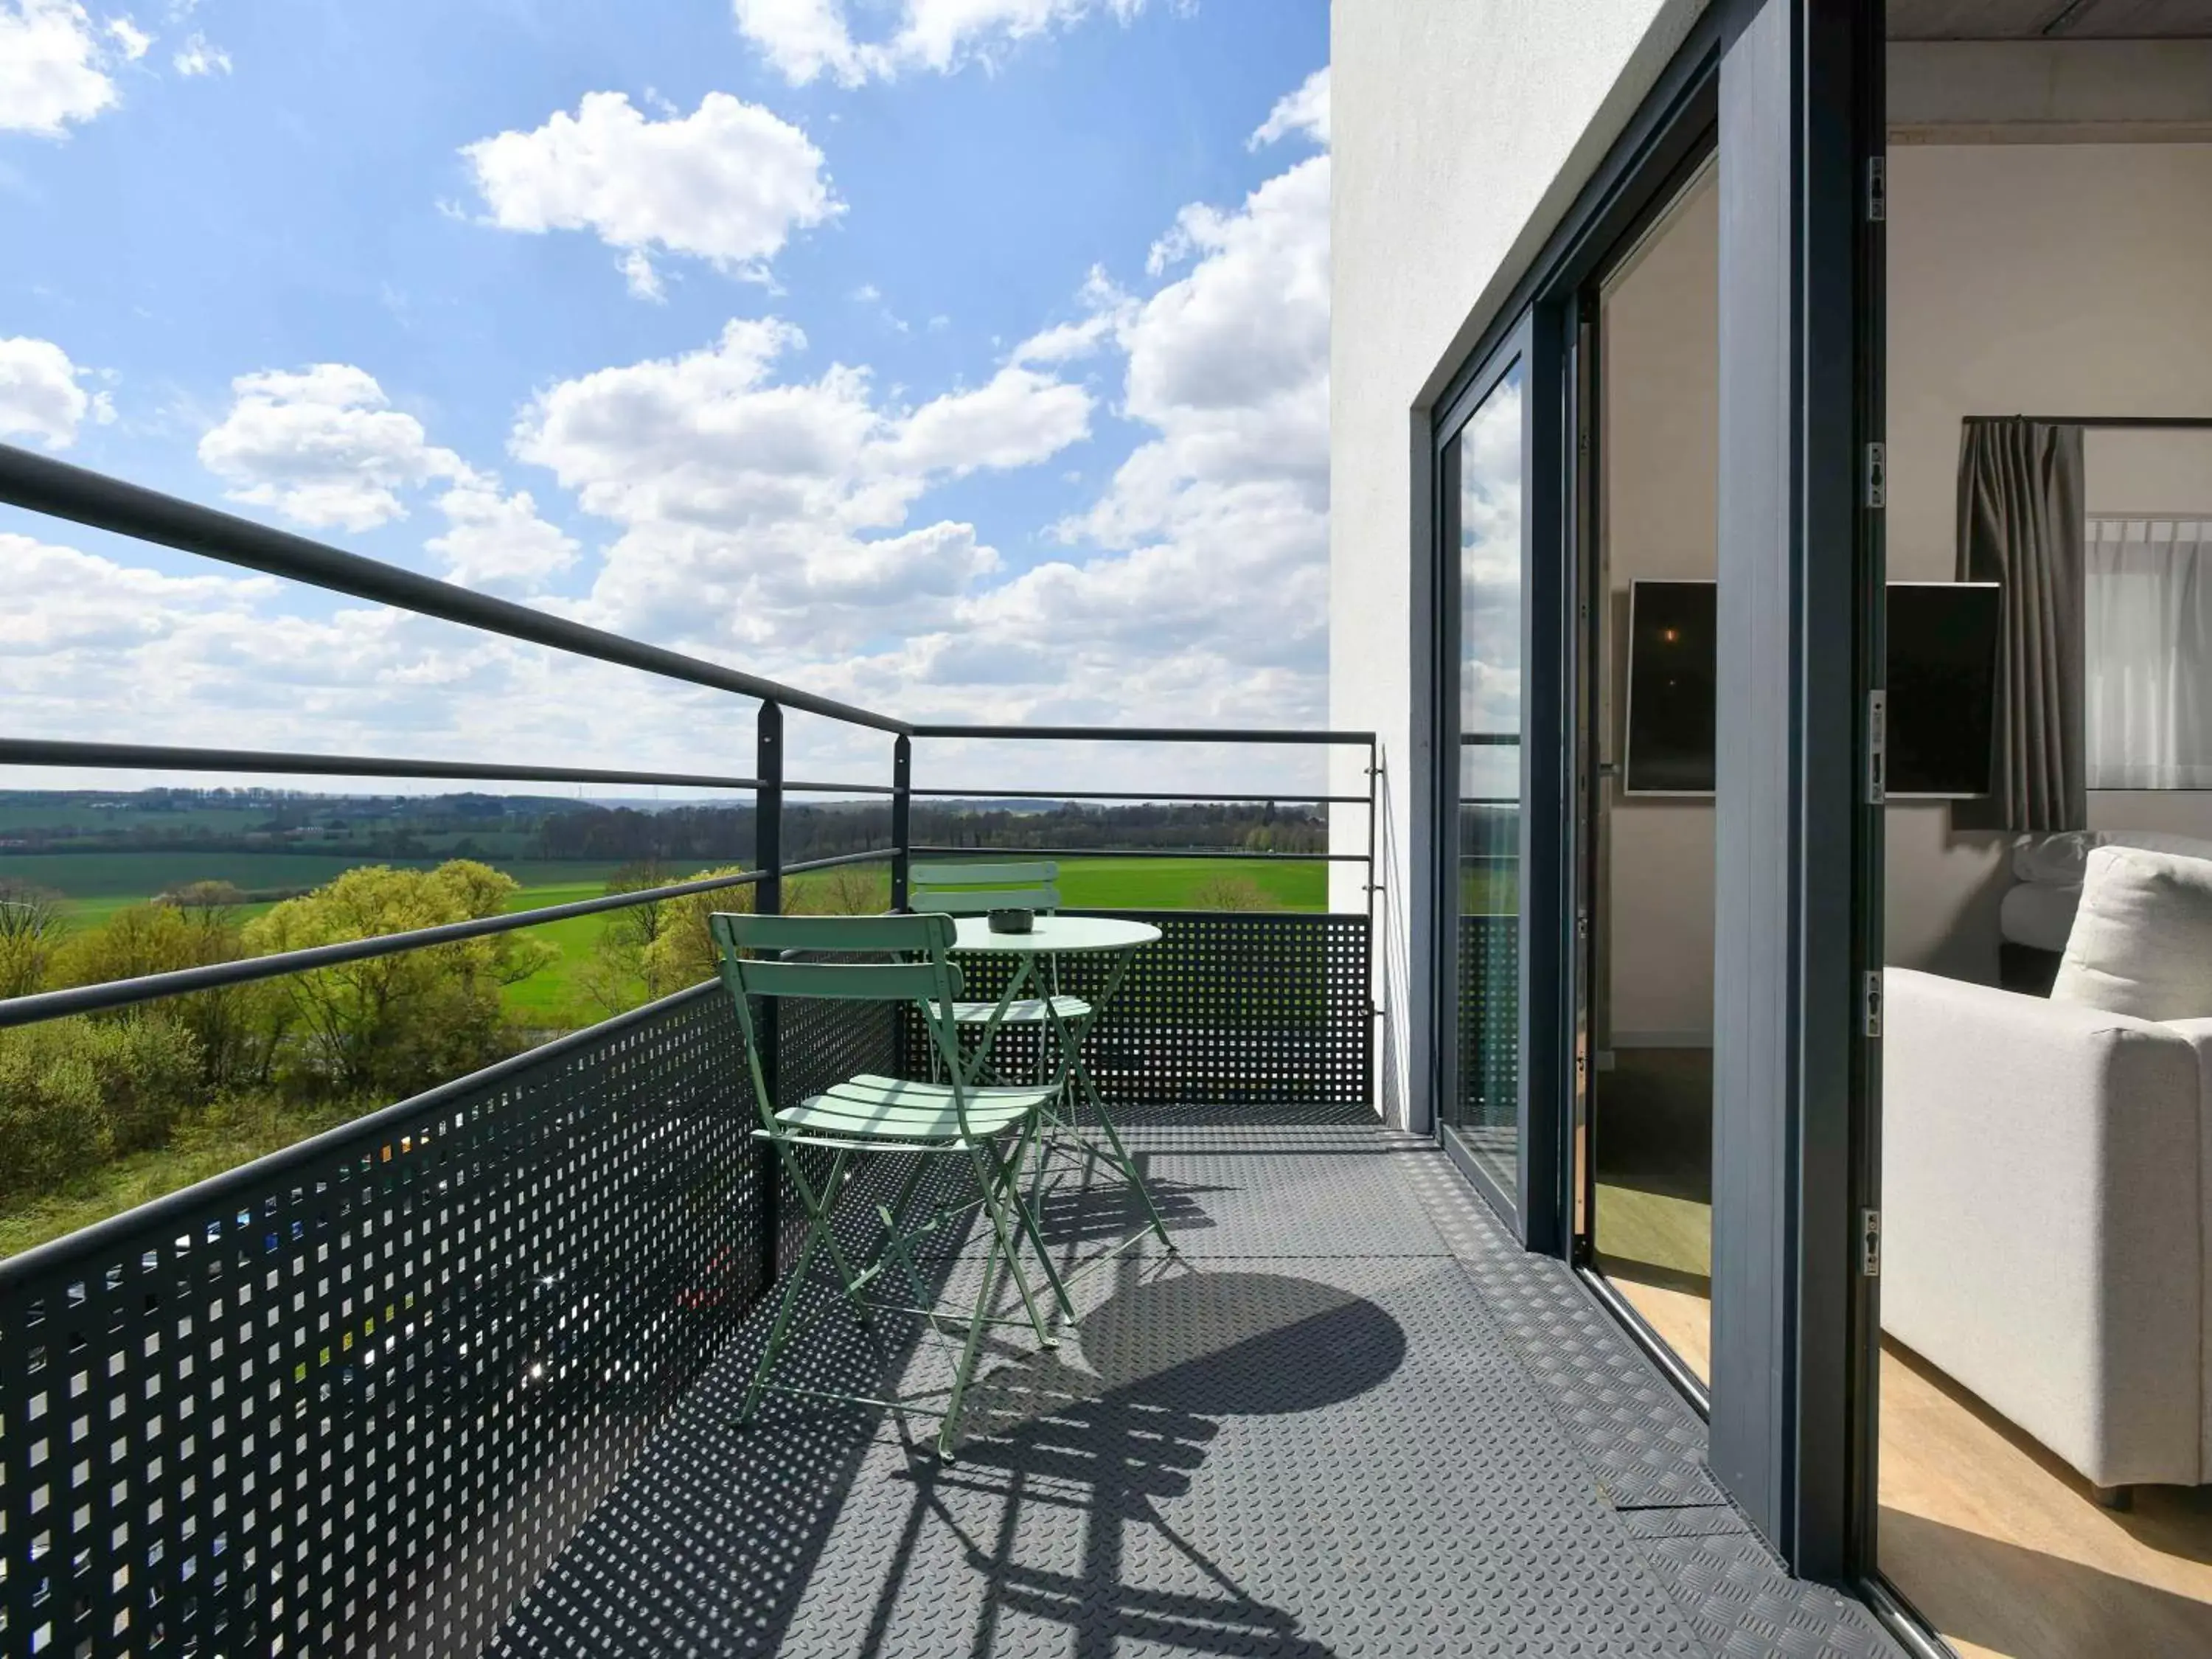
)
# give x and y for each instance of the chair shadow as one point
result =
(1174, 1351)
(712, 1540)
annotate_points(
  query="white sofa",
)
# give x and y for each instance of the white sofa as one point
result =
(2045, 1228)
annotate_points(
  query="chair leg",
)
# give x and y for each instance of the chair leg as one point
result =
(1077, 1073)
(1026, 1218)
(965, 1367)
(895, 1242)
(780, 1329)
(993, 1175)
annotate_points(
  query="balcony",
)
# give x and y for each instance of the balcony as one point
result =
(462, 1376)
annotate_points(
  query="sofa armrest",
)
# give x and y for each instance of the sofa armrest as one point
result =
(2042, 1218)
(2198, 1034)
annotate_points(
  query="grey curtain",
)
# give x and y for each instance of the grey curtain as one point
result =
(2022, 524)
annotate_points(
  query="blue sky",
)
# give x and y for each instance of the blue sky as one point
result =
(962, 357)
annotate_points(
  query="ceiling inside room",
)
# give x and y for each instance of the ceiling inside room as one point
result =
(2050, 19)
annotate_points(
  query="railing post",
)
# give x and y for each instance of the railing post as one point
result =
(767, 834)
(902, 817)
(768, 901)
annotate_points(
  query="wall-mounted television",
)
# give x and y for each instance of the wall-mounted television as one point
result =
(1673, 664)
(1941, 684)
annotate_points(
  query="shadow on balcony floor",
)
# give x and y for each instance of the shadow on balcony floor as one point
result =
(1314, 1432)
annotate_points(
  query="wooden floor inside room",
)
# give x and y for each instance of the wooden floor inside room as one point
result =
(1997, 1544)
(2003, 1548)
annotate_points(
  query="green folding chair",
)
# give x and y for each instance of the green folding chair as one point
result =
(975, 890)
(991, 1129)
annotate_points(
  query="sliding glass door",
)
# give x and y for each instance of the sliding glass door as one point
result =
(1482, 604)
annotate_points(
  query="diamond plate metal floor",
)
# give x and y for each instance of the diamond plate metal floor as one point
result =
(1350, 1419)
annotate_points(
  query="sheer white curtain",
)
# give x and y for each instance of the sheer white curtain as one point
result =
(2148, 622)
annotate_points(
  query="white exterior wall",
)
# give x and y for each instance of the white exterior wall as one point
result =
(1461, 130)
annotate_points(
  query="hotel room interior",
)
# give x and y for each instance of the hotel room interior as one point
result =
(2045, 1407)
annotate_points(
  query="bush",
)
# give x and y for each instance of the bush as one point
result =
(851, 889)
(1232, 893)
(74, 1092)
(30, 930)
(236, 1026)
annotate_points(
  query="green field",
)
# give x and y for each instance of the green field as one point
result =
(99, 884)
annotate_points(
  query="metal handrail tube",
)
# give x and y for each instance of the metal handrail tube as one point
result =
(1291, 798)
(1003, 852)
(150, 756)
(163, 757)
(41, 484)
(134, 1225)
(1139, 734)
(148, 987)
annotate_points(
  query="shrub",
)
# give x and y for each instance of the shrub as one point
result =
(1232, 893)
(236, 1026)
(74, 1092)
(851, 889)
(30, 930)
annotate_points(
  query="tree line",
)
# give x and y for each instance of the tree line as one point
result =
(678, 834)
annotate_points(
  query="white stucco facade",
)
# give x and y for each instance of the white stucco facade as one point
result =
(1461, 130)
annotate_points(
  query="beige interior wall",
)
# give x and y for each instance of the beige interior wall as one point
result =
(2037, 279)
(1659, 344)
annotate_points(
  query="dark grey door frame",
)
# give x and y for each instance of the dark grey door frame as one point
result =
(1798, 882)
(1533, 1206)
(1797, 846)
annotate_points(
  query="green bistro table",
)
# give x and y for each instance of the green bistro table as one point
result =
(1051, 936)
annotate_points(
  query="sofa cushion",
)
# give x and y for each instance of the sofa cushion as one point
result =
(2142, 942)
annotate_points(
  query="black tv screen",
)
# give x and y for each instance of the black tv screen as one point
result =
(1672, 658)
(1942, 687)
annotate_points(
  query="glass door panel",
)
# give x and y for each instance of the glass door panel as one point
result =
(1485, 471)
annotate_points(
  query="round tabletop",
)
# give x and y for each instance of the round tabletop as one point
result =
(1054, 935)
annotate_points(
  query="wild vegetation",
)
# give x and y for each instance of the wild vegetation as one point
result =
(99, 1112)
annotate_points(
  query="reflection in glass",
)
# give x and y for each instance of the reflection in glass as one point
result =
(1485, 1112)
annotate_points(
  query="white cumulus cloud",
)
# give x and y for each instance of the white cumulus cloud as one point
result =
(130, 39)
(198, 57)
(324, 447)
(42, 397)
(96, 648)
(728, 184)
(771, 511)
(52, 67)
(1305, 110)
(1196, 586)
(805, 40)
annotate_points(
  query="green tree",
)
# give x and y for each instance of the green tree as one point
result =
(615, 976)
(850, 889)
(393, 1024)
(236, 1027)
(683, 953)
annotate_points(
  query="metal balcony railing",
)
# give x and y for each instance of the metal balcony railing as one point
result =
(354, 1397)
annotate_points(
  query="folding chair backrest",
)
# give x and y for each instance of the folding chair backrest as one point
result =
(970, 889)
(825, 939)
(754, 956)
